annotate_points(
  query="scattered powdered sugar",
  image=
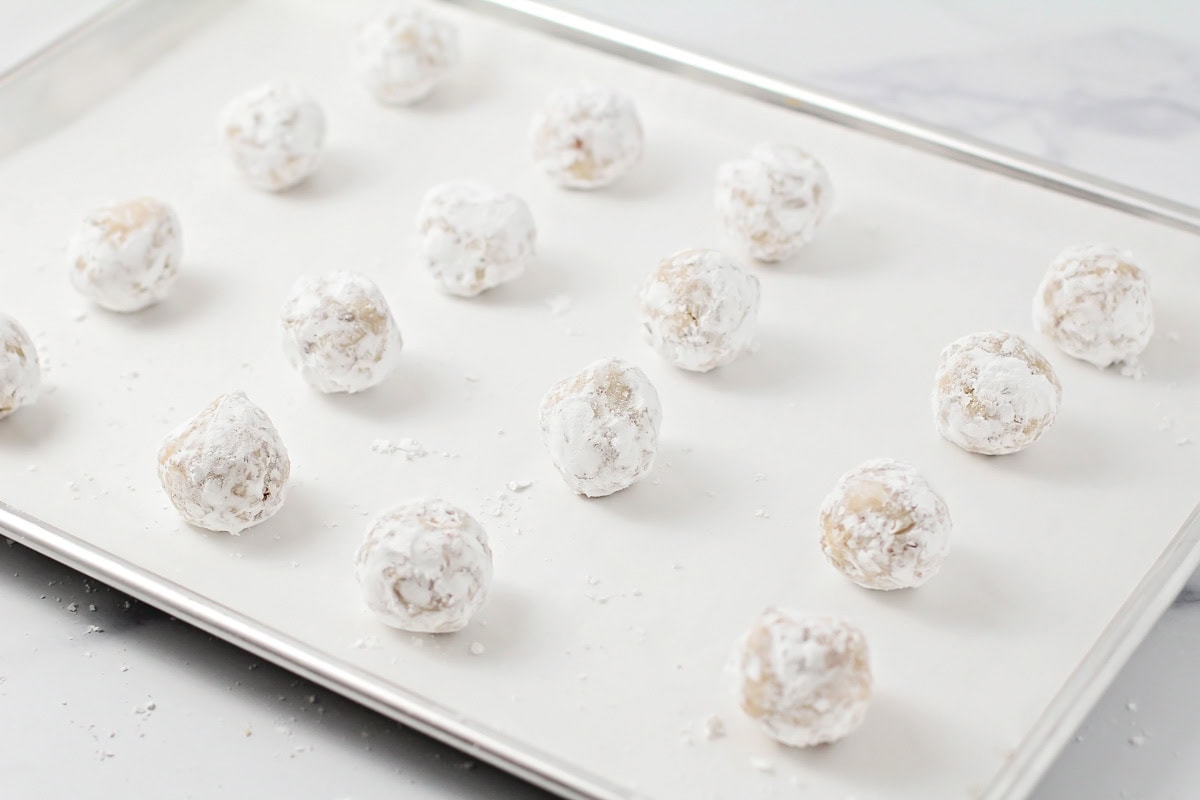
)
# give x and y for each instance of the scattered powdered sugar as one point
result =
(1132, 368)
(407, 448)
(559, 304)
(519, 485)
(477, 648)
(366, 643)
(1094, 302)
(762, 765)
(994, 394)
(884, 527)
(712, 728)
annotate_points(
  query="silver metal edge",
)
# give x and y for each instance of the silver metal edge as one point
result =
(1153, 594)
(830, 107)
(541, 769)
(68, 39)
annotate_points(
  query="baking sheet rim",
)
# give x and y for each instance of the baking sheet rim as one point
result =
(1041, 744)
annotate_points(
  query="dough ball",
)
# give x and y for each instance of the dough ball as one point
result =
(585, 137)
(600, 427)
(20, 373)
(474, 238)
(994, 394)
(275, 135)
(699, 309)
(884, 527)
(226, 468)
(125, 257)
(1095, 304)
(771, 201)
(805, 678)
(402, 55)
(425, 567)
(338, 332)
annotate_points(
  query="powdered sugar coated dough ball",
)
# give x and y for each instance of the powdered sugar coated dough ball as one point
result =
(338, 332)
(586, 137)
(600, 427)
(805, 678)
(699, 309)
(225, 469)
(771, 201)
(403, 54)
(884, 527)
(425, 566)
(994, 394)
(20, 373)
(275, 135)
(1095, 304)
(474, 238)
(125, 256)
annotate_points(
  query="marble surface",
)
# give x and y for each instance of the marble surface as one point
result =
(1109, 88)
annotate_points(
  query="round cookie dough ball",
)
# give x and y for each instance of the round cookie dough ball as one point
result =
(425, 567)
(699, 309)
(402, 55)
(274, 134)
(474, 238)
(20, 373)
(125, 256)
(1095, 304)
(805, 678)
(338, 332)
(884, 527)
(600, 427)
(771, 201)
(586, 137)
(994, 394)
(226, 468)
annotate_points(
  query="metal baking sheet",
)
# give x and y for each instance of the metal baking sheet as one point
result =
(611, 620)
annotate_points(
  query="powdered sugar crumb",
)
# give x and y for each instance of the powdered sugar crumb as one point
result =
(477, 648)
(762, 765)
(407, 448)
(518, 486)
(1183, 440)
(1132, 369)
(713, 727)
(366, 643)
(559, 304)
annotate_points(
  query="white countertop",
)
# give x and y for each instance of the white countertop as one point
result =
(1115, 91)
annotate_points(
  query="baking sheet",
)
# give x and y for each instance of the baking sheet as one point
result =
(610, 620)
